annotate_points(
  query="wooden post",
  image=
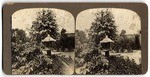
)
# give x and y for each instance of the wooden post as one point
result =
(107, 53)
(49, 52)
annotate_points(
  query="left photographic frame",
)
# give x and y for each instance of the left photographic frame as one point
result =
(42, 41)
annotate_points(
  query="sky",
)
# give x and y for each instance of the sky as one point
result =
(124, 19)
(23, 19)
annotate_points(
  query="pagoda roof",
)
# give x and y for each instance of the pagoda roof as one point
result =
(48, 38)
(106, 40)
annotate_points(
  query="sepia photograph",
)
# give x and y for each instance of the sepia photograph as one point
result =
(108, 42)
(100, 41)
(42, 41)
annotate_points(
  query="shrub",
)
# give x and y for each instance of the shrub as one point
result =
(119, 65)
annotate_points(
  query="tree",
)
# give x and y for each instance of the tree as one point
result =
(104, 24)
(18, 40)
(62, 41)
(63, 31)
(44, 24)
(66, 41)
(123, 32)
(18, 36)
(81, 36)
(81, 47)
(29, 57)
(125, 42)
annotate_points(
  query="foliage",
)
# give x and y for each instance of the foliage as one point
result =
(122, 43)
(28, 58)
(103, 25)
(66, 41)
(81, 48)
(126, 42)
(88, 53)
(120, 65)
(18, 39)
(19, 36)
(44, 24)
(27, 53)
(89, 58)
(81, 36)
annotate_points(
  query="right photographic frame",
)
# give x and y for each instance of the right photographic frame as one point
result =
(108, 41)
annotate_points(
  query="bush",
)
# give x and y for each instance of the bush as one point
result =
(126, 42)
(119, 65)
